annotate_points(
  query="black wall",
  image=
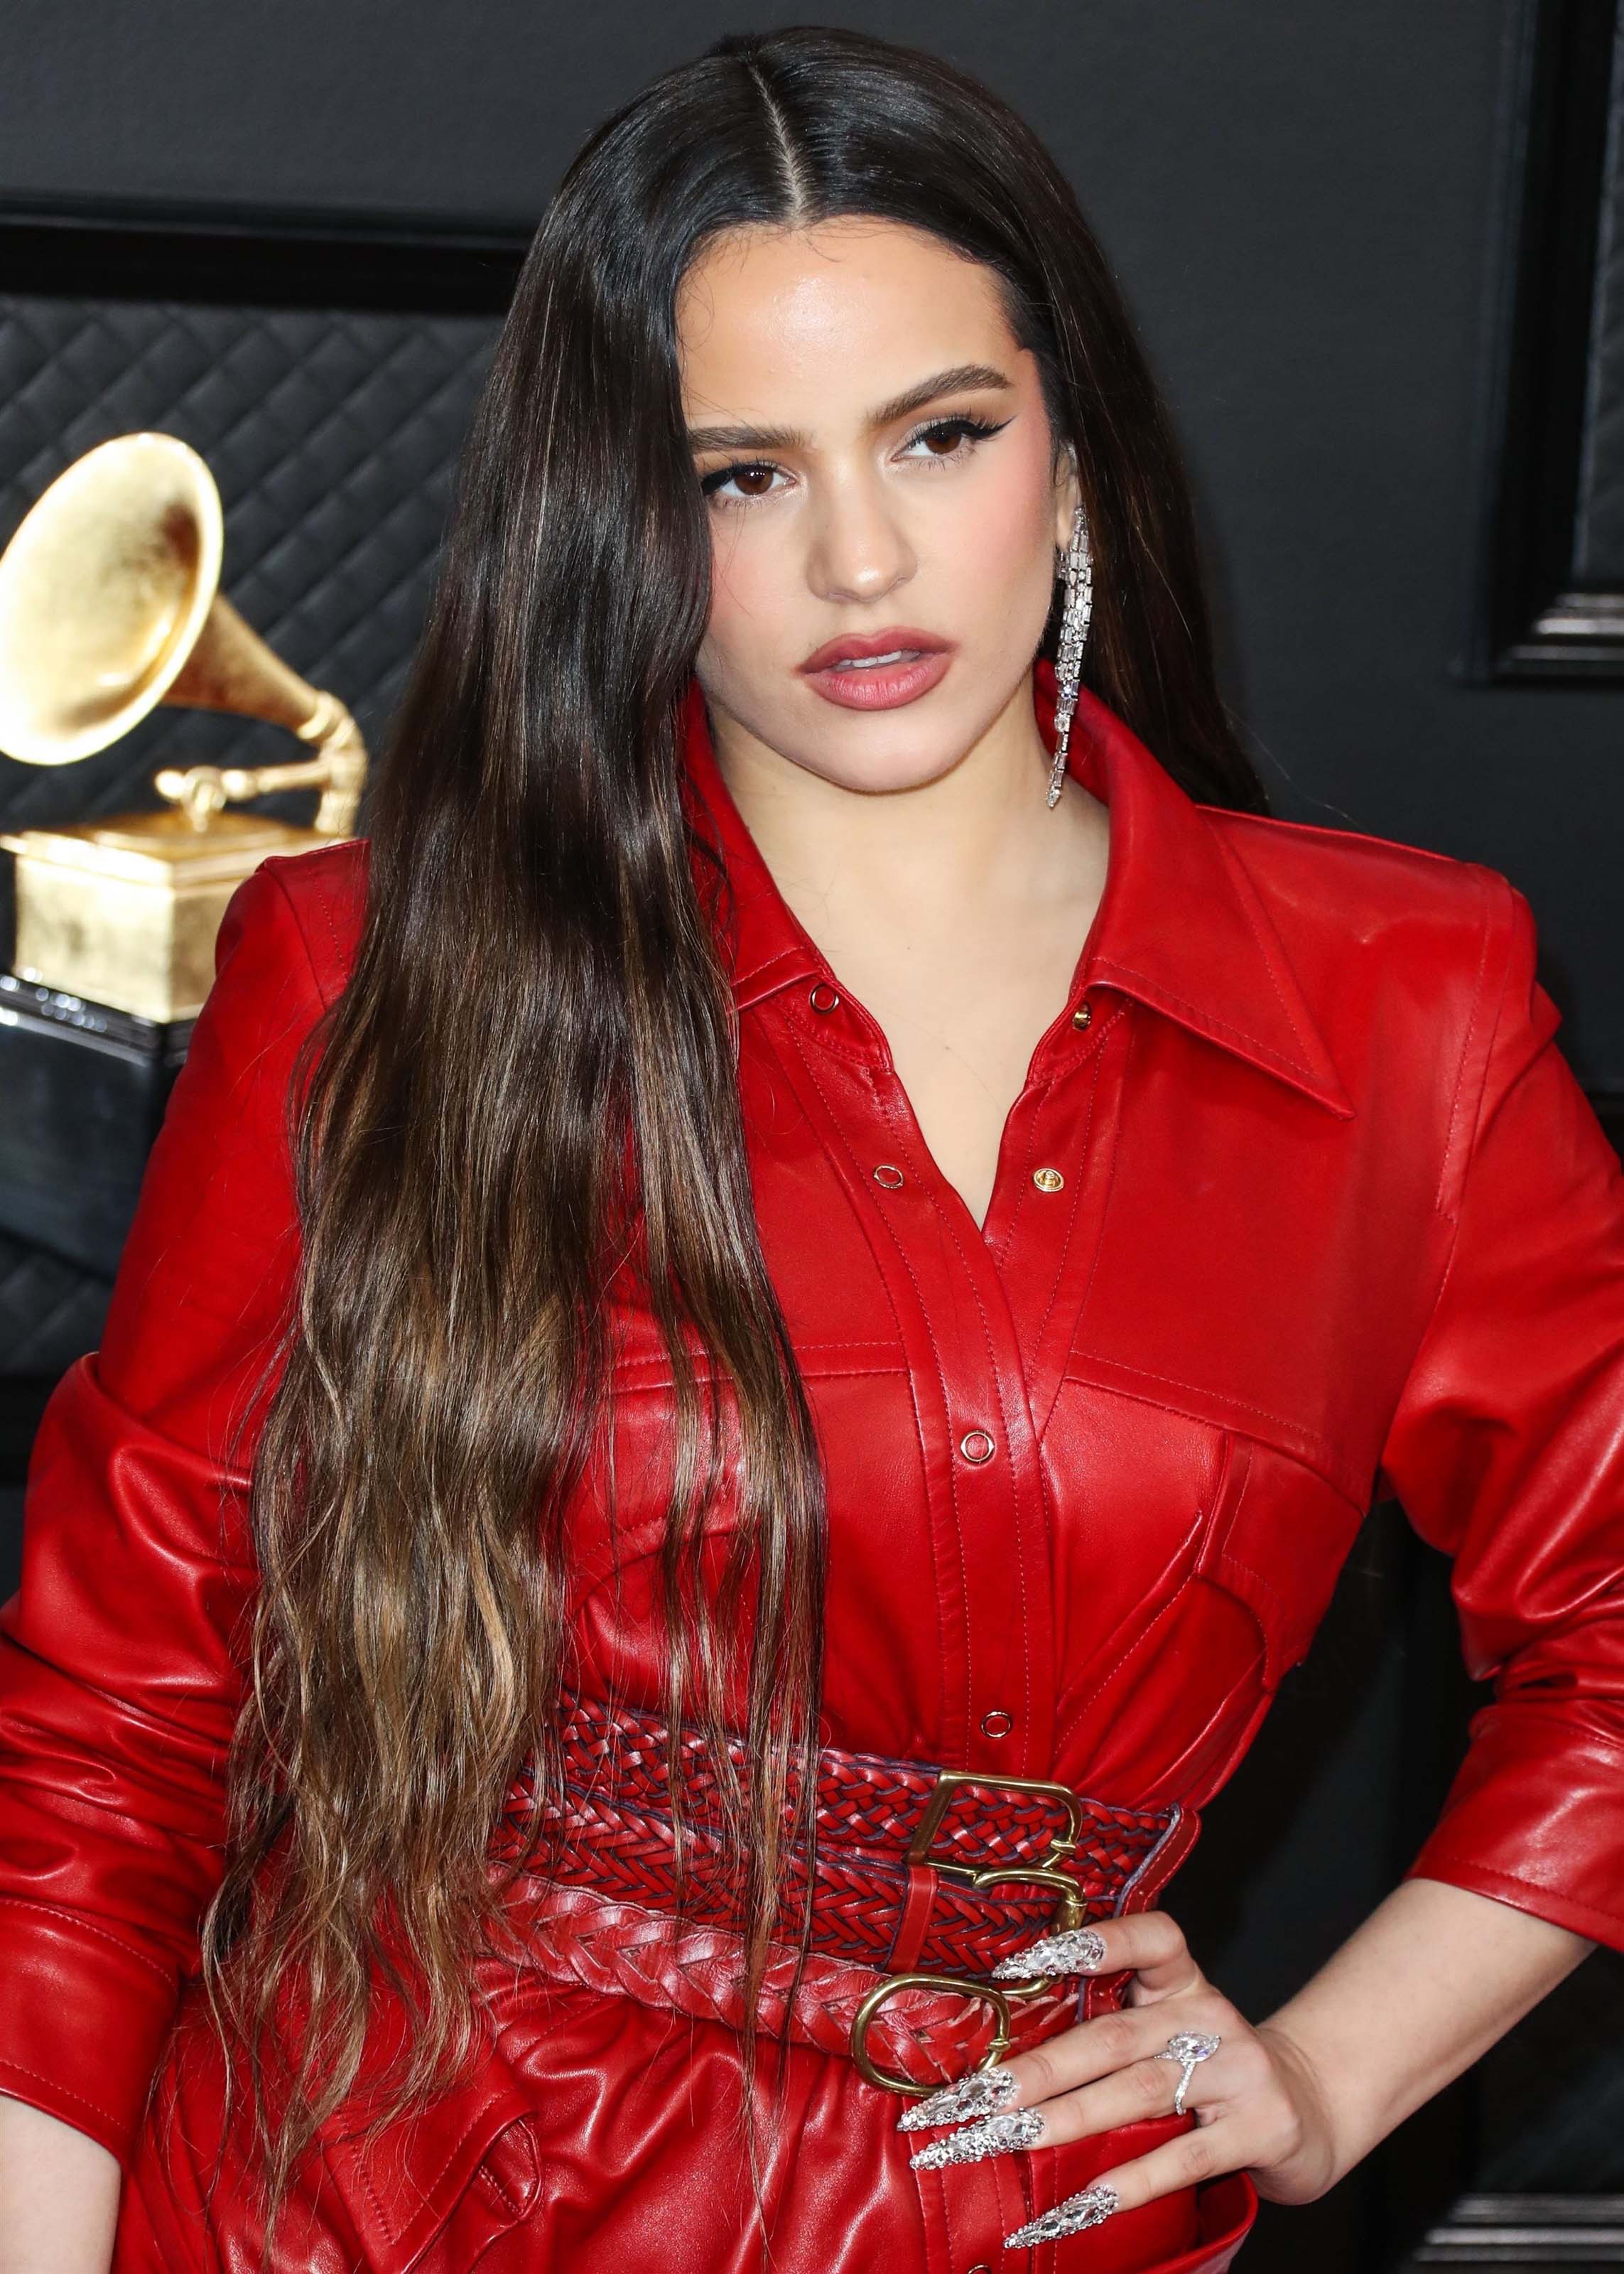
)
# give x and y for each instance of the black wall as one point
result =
(1300, 197)
(1305, 202)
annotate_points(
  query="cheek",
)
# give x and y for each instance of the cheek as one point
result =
(1004, 534)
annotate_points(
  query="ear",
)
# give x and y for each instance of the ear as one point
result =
(1068, 495)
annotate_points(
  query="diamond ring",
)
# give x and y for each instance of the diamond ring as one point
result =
(1189, 2047)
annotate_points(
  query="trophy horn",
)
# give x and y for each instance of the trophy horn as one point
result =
(109, 604)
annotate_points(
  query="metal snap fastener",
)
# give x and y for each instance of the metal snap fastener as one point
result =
(1047, 1180)
(823, 996)
(1083, 1014)
(996, 1724)
(889, 1175)
(976, 1445)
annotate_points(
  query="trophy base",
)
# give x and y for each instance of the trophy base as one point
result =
(123, 912)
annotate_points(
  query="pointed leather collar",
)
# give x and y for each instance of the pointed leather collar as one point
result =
(1180, 927)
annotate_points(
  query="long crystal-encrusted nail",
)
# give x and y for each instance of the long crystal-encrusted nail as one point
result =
(1091, 2208)
(1020, 2127)
(979, 2094)
(1080, 1950)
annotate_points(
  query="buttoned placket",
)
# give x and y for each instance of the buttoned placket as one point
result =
(945, 1279)
(982, 1310)
(986, 1315)
(989, 1317)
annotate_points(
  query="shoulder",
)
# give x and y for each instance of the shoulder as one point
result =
(1328, 877)
(322, 895)
(1419, 971)
(1357, 912)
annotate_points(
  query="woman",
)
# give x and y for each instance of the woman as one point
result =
(751, 1342)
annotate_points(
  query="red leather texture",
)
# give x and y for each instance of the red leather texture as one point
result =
(1335, 1217)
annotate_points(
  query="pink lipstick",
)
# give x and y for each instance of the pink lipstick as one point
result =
(878, 671)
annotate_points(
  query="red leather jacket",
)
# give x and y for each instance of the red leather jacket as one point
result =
(1331, 1215)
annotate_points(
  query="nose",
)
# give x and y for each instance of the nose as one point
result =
(859, 549)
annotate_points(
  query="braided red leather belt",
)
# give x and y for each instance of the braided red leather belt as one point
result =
(925, 1877)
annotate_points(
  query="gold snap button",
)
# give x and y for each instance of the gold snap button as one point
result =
(889, 1175)
(1047, 1180)
(976, 1445)
(996, 1724)
(823, 997)
(1083, 1014)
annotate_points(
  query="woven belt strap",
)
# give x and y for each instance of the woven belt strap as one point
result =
(582, 1940)
(872, 1907)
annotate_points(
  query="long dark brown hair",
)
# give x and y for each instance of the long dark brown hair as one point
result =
(531, 1081)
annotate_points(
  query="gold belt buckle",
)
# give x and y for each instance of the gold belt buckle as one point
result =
(991, 1992)
(1068, 1913)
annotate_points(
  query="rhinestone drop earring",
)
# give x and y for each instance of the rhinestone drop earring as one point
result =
(1078, 572)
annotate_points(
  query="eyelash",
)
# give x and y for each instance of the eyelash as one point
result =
(977, 430)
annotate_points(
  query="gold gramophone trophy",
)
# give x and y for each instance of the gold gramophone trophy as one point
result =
(109, 605)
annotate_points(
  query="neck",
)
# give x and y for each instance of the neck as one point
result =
(976, 835)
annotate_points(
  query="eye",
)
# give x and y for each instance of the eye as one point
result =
(948, 439)
(751, 479)
(945, 440)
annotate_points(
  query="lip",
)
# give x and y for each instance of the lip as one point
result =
(873, 686)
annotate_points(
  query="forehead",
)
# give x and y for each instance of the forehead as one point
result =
(771, 318)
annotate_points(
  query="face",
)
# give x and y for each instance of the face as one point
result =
(881, 483)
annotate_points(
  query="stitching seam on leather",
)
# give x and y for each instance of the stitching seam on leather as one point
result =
(1453, 1218)
(427, 2187)
(87, 1926)
(1244, 1404)
(1104, 1217)
(1138, 1643)
(291, 907)
(15, 2068)
(1232, 861)
(1006, 1418)
(1064, 1245)
(924, 1312)
(1210, 1017)
(1459, 1072)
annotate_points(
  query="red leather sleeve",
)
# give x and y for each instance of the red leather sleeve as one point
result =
(1506, 1451)
(121, 1666)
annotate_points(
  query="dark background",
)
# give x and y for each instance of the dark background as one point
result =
(1301, 198)
(1308, 204)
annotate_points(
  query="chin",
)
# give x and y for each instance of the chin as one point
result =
(900, 762)
(901, 749)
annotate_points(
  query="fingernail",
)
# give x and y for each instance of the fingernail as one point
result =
(1021, 2128)
(1080, 1950)
(979, 2094)
(1092, 2207)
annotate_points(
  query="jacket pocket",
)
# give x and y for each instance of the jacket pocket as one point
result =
(1279, 1542)
(431, 2193)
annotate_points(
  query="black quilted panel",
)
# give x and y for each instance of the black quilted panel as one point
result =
(334, 438)
(51, 1311)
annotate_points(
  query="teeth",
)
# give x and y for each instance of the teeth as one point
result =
(868, 662)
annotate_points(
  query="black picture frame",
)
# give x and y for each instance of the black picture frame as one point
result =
(1551, 415)
(226, 255)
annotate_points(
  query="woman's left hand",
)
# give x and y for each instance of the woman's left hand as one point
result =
(1257, 2101)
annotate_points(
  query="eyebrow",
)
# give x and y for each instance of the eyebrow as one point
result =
(962, 375)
